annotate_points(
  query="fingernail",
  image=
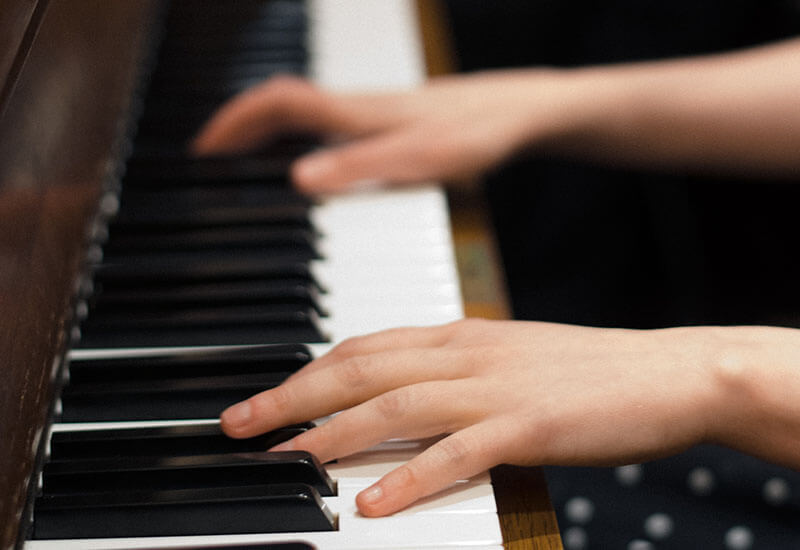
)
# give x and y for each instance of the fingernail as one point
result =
(285, 446)
(314, 168)
(237, 415)
(371, 495)
(366, 185)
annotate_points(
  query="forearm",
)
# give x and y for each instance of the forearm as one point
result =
(738, 111)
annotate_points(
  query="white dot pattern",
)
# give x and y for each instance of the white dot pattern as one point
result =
(776, 491)
(708, 497)
(659, 526)
(579, 510)
(701, 481)
(739, 538)
(575, 538)
(641, 544)
(629, 475)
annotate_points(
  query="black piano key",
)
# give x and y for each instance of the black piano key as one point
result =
(180, 440)
(176, 214)
(224, 88)
(139, 297)
(160, 473)
(218, 19)
(209, 189)
(268, 167)
(174, 386)
(224, 511)
(278, 39)
(202, 316)
(292, 330)
(228, 237)
(192, 270)
(247, 64)
(168, 399)
(226, 362)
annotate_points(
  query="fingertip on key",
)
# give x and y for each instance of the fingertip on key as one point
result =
(369, 501)
(236, 417)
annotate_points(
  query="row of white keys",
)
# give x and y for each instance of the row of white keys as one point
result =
(388, 262)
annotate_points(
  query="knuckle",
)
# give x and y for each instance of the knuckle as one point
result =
(349, 347)
(354, 372)
(453, 450)
(393, 404)
(280, 400)
(405, 478)
(463, 328)
(311, 440)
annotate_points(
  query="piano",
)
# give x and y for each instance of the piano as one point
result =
(123, 328)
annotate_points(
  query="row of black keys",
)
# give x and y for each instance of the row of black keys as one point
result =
(179, 480)
(210, 53)
(209, 251)
(150, 482)
(203, 252)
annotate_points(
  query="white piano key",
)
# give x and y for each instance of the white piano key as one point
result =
(355, 532)
(381, 36)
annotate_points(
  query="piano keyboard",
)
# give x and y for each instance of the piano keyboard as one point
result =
(351, 265)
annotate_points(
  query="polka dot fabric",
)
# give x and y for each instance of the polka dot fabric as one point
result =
(708, 497)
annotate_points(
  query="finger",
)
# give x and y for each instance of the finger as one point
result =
(411, 412)
(337, 387)
(260, 113)
(399, 156)
(383, 341)
(288, 104)
(459, 456)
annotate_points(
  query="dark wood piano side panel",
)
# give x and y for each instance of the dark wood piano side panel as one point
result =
(18, 22)
(60, 132)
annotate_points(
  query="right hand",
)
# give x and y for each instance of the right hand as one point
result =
(454, 128)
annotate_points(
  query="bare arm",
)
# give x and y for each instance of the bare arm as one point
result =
(733, 112)
(737, 111)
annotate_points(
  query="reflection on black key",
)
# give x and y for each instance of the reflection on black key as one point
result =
(189, 364)
(266, 237)
(203, 327)
(131, 298)
(181, 440)
(167, 399)
(229, 510)
(300, 328)
(192, 269)
(188, 317)
(185, 386)
(182, 170)
(184, 472)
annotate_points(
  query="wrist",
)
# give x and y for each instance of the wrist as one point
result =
(590, 104)
(756, 371)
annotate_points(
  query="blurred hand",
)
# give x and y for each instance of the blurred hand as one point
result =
(452, 129)
(513, 392)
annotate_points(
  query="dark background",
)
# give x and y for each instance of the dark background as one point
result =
(605, 246)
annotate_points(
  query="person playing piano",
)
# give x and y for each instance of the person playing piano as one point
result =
(526, 392)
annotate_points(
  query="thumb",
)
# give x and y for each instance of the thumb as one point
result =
(394, 158)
